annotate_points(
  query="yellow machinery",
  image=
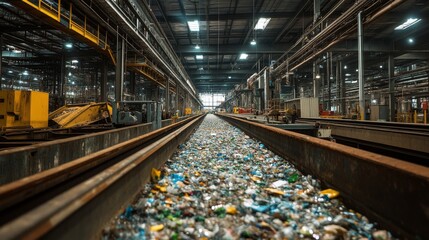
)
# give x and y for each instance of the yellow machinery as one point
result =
(235, 110)
(72, 115)
(188, 111)
(23, 109)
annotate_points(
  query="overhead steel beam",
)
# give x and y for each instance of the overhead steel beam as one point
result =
(286, 28)
(216, 73)
(236, 16)
(164, 16)
(233, 49)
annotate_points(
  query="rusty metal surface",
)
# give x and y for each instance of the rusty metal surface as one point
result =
(386, 133)
(416, 142)
(22, 189)
(82, 211)
(393, 192)
(21, 162)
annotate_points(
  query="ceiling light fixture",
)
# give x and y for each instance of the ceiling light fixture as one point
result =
(199, 57)
(253, 42)
(25, 73)
(74, 61)
(410, 22)
(410, 40)
(229, 77)
(197, 46)
(262, 23)
(317, 76)
(244, 56)
(194, 26)
(69, 45)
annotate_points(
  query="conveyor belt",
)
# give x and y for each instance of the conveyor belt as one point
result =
(48, 203)
(373, 184)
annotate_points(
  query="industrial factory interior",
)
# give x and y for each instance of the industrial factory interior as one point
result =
(214, 119)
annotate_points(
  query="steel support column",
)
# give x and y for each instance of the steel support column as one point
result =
(361, 67)
(120, 66)
(316, 10)
(322, 79)
(266, 89)
(103, 80)
(343, 89)
(61, 87)
(328, 78)
(167, 96)
(315, 82)
(177, 97)
(338, 87)
(391, 69)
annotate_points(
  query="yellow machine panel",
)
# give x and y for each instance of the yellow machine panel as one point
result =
(235, 110)
(82, 114)
(188, 111)
(24, 109)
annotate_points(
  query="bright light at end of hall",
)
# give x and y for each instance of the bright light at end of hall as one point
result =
(253, 42)
(262, 23)
(199, 57)
(244, 56)
(410, 22)
(194, 26)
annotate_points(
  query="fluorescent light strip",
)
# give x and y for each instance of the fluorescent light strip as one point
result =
(200, 57)
(410, 22)
(194, 26)
(262, 23)
(243, 56)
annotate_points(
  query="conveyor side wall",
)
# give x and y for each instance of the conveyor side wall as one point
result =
(393, 192)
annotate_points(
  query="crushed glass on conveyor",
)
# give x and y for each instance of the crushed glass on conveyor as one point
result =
(222, 184)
